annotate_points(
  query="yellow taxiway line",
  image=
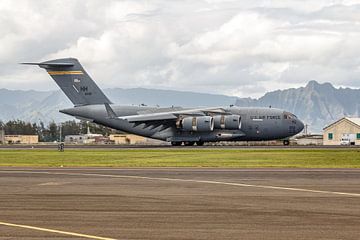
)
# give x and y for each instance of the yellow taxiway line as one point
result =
(55, 231)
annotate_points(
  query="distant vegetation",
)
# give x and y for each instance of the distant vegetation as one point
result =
(51, 132)
(185, 157)
(315, 104)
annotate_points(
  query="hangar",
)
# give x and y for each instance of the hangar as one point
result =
(345, 131)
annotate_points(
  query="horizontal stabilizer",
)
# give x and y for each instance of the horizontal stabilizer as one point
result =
(44, 65)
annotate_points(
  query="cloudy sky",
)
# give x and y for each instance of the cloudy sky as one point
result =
(242, 48)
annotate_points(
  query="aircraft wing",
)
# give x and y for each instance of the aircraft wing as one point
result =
(147, 117)
(171, 115)
(150, 117)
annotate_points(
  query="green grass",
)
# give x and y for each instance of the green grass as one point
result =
(245, 158)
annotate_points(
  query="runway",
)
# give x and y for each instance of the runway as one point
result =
(167, 147)
(178, 203)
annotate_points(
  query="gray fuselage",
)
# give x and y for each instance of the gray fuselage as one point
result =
(256, 124)
(176, 125)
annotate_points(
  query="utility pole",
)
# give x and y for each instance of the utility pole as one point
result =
(2, 135)
(60, 132)
(306, 129)
(61, 145)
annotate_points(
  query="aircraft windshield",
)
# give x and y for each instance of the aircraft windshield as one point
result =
(288, 115)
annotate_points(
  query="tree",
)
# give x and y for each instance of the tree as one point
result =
(70, 128)
(18, 127)
(52, 132)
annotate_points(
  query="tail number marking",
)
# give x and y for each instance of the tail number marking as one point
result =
(85, 89)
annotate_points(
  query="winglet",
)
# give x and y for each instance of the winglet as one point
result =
(110, 111)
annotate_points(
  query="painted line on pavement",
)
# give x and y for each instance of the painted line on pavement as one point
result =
(55, 231)
(193, 181)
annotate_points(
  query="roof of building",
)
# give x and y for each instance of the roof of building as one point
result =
(355, 121)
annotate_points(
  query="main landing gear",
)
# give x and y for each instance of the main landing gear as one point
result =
(189, 143)
(200, 143)
(176, 143)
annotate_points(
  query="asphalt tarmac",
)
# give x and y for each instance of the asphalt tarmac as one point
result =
(100, 146)
(177, 203)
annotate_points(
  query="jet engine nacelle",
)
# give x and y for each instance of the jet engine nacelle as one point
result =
(198, 124)
(230, 122)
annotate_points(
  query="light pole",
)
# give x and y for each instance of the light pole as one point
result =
(60, 132)
(61, 145)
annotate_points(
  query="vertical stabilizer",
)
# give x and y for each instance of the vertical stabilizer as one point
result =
(74, 81)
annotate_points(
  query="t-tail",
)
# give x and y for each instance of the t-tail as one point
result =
(74, 81)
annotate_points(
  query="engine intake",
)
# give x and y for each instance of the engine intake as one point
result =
(198, 124)
(230, 122)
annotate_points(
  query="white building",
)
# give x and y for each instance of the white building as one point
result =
(344, 131)
(82, 138)
(309, 140)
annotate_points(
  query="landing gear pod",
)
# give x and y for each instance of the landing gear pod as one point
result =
(230, 122)
(198, 124)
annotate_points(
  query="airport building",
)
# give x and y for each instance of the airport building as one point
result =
(127, 139)
(345, 131)
(2, 136)
(79, 139)
(21, 139)
(87, 138)
(312, 139)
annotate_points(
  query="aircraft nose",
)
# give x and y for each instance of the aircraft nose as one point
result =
(300, 126)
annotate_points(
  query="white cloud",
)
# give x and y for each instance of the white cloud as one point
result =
(240, 48)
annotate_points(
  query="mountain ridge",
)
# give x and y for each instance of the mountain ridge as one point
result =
(317, 104)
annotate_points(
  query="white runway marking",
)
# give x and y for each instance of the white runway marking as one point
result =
(53, 183)
(191, 180)
(55, 231)
(202, 169)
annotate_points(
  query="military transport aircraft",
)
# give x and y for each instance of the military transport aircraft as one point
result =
(173, 124)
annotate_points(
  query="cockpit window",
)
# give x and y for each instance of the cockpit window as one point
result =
(288, 115)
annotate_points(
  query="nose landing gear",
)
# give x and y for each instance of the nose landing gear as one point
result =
(286, 142)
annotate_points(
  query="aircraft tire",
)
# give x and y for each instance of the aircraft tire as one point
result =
(200, 143)
(286, 142)
(189, 143)
(176, 143)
